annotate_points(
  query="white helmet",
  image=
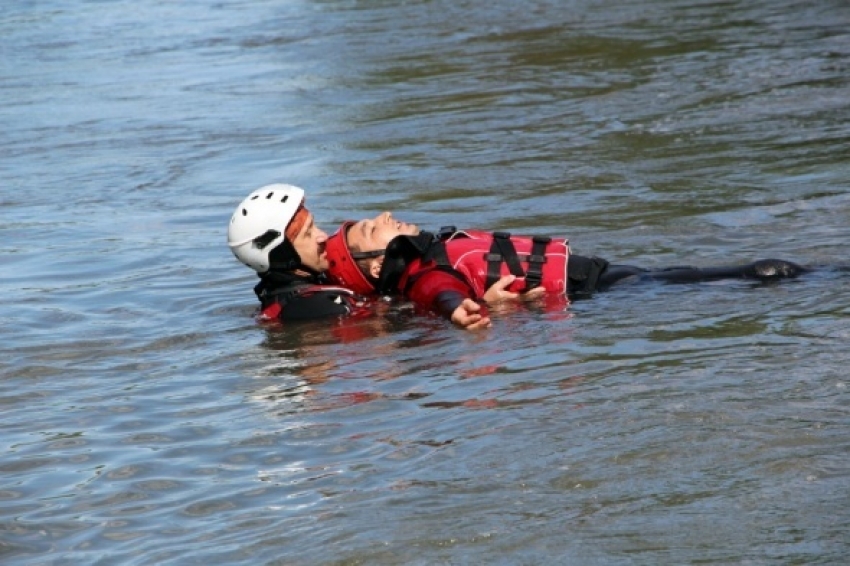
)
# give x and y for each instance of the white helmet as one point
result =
(258, 226)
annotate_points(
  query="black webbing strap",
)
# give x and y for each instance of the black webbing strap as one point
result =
(400, 252)
(502, 250)
(268, 293)
(437, 252)
(534, 275)
(446, 232)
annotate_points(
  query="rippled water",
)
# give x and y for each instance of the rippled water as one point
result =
(147, 419)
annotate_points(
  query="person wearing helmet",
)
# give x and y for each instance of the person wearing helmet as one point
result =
(273, 233)
(448, 272)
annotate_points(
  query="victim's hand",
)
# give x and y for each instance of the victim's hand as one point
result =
(468, 316)
(498, 292)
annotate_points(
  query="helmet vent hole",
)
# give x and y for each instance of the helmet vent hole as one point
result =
(255, 197)
(265, 239)
(285, 198)
(270, 195)
(244, 212)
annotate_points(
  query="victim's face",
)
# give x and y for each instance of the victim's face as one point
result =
(376, 233)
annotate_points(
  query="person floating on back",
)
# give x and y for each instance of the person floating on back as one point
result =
(449, 272)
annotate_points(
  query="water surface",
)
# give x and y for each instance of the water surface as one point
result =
(148, 419)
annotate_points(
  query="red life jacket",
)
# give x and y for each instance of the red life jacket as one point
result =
(483, 257)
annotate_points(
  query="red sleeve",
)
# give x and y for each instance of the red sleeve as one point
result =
(438, 290)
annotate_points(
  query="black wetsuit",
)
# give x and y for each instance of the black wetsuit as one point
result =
(590, 274)
(287, 296)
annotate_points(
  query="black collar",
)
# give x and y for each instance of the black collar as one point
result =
(400, 252)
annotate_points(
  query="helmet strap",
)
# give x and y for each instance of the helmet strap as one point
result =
(284, 257)
(367, 255)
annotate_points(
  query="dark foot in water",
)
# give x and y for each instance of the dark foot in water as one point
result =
(770, 269)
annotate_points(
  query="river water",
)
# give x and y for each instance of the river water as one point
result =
(147, 419)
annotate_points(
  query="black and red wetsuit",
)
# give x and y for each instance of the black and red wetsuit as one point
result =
(439, 272)
(287, 296)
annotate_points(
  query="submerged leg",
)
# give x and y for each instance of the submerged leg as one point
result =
(589, 275)
(762, 270)
(618, 274)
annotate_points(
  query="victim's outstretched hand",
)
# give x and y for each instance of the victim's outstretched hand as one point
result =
(468, 316)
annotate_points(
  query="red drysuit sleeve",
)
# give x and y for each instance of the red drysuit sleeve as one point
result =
(438, 290)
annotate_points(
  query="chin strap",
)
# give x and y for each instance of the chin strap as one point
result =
(285, 258)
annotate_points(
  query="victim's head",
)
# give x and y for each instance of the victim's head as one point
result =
(356, 250)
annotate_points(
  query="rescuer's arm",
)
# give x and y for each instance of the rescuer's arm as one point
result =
(314, 301)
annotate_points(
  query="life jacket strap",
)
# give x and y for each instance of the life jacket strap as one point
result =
(282, 295)
(446, 232)
(502, 250)
(437, 253)
(534, 275)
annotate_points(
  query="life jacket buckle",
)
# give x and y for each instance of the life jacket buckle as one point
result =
(446, 232)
